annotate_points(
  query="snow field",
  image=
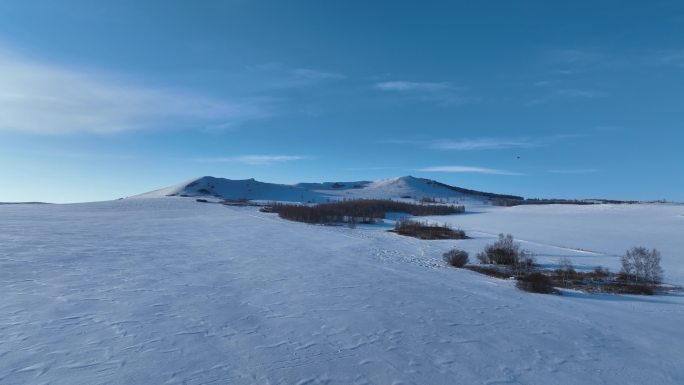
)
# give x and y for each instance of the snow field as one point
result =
(170, 291)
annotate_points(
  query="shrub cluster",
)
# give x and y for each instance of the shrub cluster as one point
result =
(535, 283)
(425, 230)
(601, 272)
(362, 210)
(630, 288)
(491, 271)
(456, 257)
(641, 272)
(502, 252)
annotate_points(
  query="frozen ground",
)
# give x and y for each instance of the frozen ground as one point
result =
(170, 291)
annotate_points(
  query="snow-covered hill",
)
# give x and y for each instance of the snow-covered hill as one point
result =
(171, 291)
(236, 189)
(401, 187)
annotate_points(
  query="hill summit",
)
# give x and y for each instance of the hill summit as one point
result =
(391, 188)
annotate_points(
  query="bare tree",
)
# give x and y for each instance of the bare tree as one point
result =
(524, 264)
(642, 265)
(565, 269)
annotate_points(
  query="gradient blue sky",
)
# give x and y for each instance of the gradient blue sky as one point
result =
(573, 99)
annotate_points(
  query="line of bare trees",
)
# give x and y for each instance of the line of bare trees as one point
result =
(360, 210)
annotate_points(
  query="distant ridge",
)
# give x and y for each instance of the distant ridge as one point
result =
(480, 193)
(24, 203)
(391, 188)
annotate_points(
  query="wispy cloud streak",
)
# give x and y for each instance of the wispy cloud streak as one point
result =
(478, 144)
(442, 93)
(577, 93)
(253, 160)
(483, 144)
(406, 86)
(467, 169)
(42, 98)
(574, 171)
(312, 74)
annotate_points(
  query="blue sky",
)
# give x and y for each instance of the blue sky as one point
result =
(543, 99)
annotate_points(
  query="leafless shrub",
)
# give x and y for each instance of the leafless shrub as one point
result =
(566, 270)
(504, 251)
(456, 257)
(629, 288)
(492, 271)
(535, 283)
(524, 265)
(601, 272)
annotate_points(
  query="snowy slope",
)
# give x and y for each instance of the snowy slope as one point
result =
(383, 188)
(406, 186)
(236, 189)
(170, 291)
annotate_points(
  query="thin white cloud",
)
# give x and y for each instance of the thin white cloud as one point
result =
(312, 74)
(577, 57)
(441, 93)
(278, 76)
(571, 62)
(468, 169)
(577, 93)
(484, 144)
(575, 61)
(574, 171)
(669, 58)
(406, 86)
(42, 98)
(369, 168)
(478, 144)
(83, 155)
(254, 160)
(565, 94)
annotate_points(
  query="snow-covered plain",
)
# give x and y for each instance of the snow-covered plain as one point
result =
(171, 291)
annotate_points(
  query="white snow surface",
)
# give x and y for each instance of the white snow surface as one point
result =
(171, 291)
